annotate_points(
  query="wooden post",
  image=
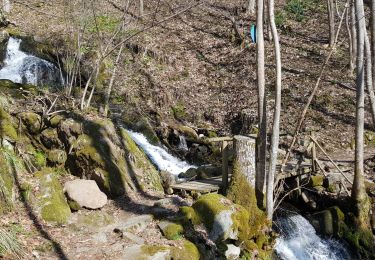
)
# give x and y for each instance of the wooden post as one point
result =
(313, 152)
(224, 154)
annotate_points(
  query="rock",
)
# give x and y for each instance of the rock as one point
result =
(56, 157)
(53, 206)
(208, 171)
(189, 174)
(32, 121)
(167, 179)
(171, 231)
(85, 193)
(316, 181)
(69, 128)
(233, 252)
(222, 218)
(55, 120)
(334, 181)
(327, 222)
(171, 202)
(50, 139)
(7, 130)
(141, 124)
(7, 191)
(188, 251)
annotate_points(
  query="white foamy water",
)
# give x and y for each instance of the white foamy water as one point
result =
(159, 156)
(183, 144)
(299, 241)
(20, 67)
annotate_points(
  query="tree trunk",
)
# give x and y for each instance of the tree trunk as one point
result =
(359, 196)
(331, 19)
(372, 28)
(369, 81)
(262, 115)
(6, 6)
(350, 40)
(276, 115)
(251, 7)
(141, 8)
(112, 80)
(354, 31)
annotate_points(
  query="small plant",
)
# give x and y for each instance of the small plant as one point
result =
(40, 159)
(179, 111)
(9, 244)
(297, 9)
(280, 18)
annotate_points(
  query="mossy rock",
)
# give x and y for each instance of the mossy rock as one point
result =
(328, 221)
(51, 201)
(6, 184)
(38, 49)
(55, 120)
(32, 121)
(316, 180)
(56, 157)
(150, 176)
(7, 130)
(170, 230)
(15, 90)
(50, 139)
(188, 251)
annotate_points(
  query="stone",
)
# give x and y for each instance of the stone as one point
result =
(56, 157)
(327, 222)
(53, 206)
(333, 181)
(189, 174)
(85, 193)
(50, 139)
(233, 252)
(171, 231)
(32, 121)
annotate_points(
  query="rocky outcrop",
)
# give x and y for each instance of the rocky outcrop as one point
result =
(6, 185)
(84, 194)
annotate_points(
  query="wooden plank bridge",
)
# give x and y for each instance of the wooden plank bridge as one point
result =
(214, 184)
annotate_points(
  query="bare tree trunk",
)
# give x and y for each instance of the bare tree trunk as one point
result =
(113, 76)
(350, 40)
(276, 115)
(6, 6)
(262, 115)
(372, 28)
(251, 7)
(369, 82)
(354, 31)
(141, 8)
(331, 19)
(359, 195)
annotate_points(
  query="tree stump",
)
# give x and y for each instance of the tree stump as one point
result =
(242, 186)
(248, 119)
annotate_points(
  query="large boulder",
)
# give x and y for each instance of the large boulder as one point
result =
(51, 201)
(222, 218)
(84, 193)
(32, 121)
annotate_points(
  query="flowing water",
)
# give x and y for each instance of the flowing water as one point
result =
(21, 67)
(183, 144)
(299, 241)
(159, 156)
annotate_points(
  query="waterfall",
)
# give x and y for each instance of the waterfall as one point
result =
(299, 241)
(159, 156)
(21, 67)
(183, 145)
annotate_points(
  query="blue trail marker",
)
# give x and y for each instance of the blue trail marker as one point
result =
(253, 33)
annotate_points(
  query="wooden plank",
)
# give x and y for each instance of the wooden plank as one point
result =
(220, 139)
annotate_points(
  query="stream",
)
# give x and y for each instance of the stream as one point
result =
(298, 239)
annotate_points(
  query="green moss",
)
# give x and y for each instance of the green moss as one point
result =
(40, 159)
(173, 231)
(189, 215)
(32, 122)
(152, 250)
(188, 252)
(6, 185)
(212, 134)
(56, 156)
(51, 199)
(55, 120)
(7, 129)
(316, 180)
(25, 190)
(141, 124)
(179, 111)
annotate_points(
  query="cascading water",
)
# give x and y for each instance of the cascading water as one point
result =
(183, 144)
(159, 156)
(20, 67)
(299, 241)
